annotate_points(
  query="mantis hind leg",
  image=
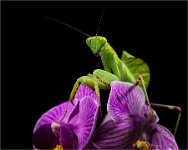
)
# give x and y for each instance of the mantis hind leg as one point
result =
(176, 108)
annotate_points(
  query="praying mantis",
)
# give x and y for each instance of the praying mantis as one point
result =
(127, 68)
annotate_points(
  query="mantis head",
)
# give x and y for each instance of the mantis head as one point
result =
(96, 43)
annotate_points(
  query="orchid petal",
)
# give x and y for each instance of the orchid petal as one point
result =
(74, 114)
(67, 138)
(87, 120)
(55, 114)
(83, 91)
(163, 138)
(115, 135)
(125, 99)
(44, 138)
(146, 109)
(106, 118)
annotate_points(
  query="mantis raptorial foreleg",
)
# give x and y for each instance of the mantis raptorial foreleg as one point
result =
(105, 77)
(100, 79)
(89, 80)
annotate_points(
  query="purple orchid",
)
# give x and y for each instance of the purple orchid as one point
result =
(131, 123)
(52, 131)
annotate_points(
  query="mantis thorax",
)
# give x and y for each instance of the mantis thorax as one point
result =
(96, 43)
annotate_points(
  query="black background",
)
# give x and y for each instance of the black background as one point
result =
(41, 59)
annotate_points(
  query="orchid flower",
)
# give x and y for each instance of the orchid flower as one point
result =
(131, 124)
(53, 131)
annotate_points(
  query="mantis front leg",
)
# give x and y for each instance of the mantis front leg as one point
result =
(100, 79)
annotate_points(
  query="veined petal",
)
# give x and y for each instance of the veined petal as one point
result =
(146, 109)
(87, 120)
(44, 138)
(67, 138)
(73, 117)
(125, 99)
(119, 134)
(55, 114)
(106, 118)
(85, 90)
(163, 138)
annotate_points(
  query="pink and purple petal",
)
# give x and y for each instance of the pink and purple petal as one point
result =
(125, 99)
(55, 114)
(106, 118)
(119, 134)
(83, 91)
(87, 120)
(73, 117)
(163, 138)
(67, 137)
(145, 110)
(44, 138)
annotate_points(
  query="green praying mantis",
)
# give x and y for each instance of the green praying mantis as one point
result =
(127, 68)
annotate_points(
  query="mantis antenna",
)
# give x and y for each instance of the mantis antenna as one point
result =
(68, 26)
(100, 21)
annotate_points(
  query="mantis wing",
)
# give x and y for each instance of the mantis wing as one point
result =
(137, 67)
